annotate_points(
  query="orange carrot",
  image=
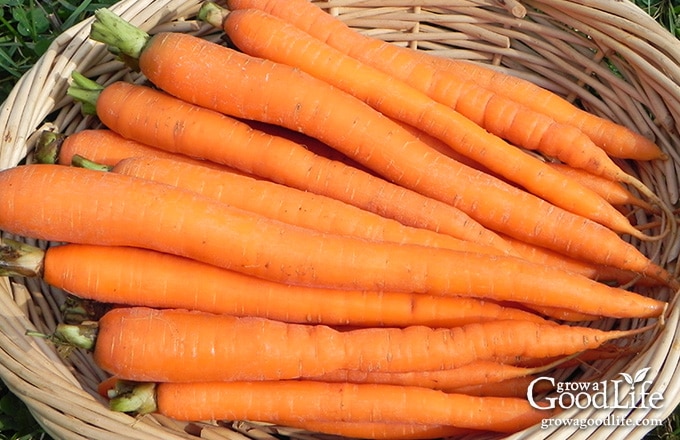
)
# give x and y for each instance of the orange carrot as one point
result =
(147, 278)
(265, 36)
(474, 373)
(217, 138)
(482, 84)
(99, 145)
(301, 401)
(288, 204)
(191, 346)
(92, 207)
(614, 192)
(412, 164)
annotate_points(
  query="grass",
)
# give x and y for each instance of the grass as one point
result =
(27, 27)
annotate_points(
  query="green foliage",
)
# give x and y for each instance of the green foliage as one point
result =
(16, 421)
(28, 27)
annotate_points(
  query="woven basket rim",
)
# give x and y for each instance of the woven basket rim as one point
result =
(64, 399)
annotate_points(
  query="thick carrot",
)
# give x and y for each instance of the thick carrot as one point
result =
(483, 85)
(92, 207)
(191, 346)
(498, 206)
(220, 139)
(301, 401)
(134, 276)
(265, 36)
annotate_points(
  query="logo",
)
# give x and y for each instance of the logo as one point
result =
(632, 391)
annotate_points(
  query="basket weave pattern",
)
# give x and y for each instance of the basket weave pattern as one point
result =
(607, 56)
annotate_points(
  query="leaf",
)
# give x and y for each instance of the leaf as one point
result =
(640, 375)
(628, 378)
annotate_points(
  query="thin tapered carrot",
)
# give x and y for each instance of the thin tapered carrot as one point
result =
(300, 401)
(220, 139)
(482, 83)
(92, 207)
(475, 373)
(99, 145)
(597, 272)
(614, 192)
(265, 36)
(288, 204)
(497, 206)
(192, 346)
(134, 276)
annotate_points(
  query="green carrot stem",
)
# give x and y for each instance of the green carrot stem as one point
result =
(48, 146)
(212, 14)
(137, 398)
(82, 162)
(121, 37)
(85, 91)
(77, 335)
(20, 259)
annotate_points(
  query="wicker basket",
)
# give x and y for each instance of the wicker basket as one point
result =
(607, 56)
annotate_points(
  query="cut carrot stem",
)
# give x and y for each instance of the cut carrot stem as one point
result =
(112, 209)
(191, 346)
(134, 276)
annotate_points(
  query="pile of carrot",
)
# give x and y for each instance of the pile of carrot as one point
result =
(324, 231)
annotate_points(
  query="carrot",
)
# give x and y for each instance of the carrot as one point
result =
(614, 192)
(475, 373)
(289, 205)
(301, 401)
(262, 35)
(497, 206)
(99, 145)
(92, 207)
(191, 346)
(220, 139)
(482, 84)
(601, 273)
(141, 277)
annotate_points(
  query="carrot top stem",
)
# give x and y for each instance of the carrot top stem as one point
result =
(212, 14)
(48, 146)
(82, 162)
(77, 335)
(85, 91)
(131, 397)
(20, 259)
(121, 37)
